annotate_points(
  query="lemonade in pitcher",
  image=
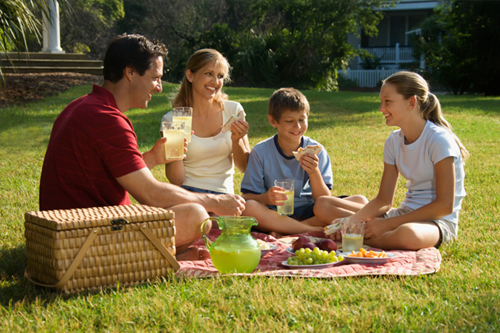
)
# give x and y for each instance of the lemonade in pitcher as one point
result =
(235, 250)
(231, 259)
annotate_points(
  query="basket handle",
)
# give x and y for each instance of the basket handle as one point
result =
(74, 265)
(160, 247)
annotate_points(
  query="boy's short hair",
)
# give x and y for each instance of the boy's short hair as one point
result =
(134, 51)
(287, 99)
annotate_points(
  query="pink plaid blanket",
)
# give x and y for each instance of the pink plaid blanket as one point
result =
(425, 261)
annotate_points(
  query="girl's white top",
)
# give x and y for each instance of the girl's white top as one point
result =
(209, 161)
(415, 162)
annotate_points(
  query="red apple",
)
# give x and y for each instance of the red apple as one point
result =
(309, 245)
(327, 245)
(299, 242)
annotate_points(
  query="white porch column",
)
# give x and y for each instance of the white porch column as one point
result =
(51, 35)
(422, 61)
(397, 53)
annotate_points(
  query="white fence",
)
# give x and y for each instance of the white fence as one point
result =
(367, 77)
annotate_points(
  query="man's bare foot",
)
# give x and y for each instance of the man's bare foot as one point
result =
(193, 253)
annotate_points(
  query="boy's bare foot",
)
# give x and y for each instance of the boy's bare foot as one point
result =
(193, 253)
(276, 235)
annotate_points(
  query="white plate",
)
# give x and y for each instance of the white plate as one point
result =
(358, 260)
(263, 252)
(320, 266)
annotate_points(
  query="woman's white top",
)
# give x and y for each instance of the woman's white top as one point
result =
(415, 162)
(209, 161)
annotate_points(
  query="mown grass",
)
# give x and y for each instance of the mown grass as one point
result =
(463, 296)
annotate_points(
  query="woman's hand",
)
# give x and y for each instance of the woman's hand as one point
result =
(239, 129)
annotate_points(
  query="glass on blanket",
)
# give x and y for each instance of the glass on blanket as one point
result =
(353, 233)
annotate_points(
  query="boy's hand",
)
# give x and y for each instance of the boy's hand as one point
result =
(276, 196)
(309, 163)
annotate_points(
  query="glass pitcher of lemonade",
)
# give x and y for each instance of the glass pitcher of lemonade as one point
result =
(235, 250)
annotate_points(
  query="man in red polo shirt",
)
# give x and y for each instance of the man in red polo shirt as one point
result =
(93, 158)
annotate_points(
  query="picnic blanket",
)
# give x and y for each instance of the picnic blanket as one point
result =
(425, 261)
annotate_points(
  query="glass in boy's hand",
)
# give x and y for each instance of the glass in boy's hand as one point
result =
(288, 186)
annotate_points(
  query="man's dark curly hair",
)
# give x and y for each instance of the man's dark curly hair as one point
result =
(134, 51)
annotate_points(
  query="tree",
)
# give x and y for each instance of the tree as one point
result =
(304, 40)
(19, 22)
(460, 44)
(268, 42)
(184, 26)
(99, 19)
(16, 20)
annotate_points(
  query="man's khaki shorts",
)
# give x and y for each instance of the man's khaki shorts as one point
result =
(448, 230)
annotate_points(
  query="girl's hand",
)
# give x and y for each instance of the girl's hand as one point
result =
(377, 227)
(239, 129)
(276, 196)
(309, 162)
(332, 230)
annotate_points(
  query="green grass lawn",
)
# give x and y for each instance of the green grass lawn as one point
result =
(464, 296)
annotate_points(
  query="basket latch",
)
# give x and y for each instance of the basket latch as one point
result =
(117, 224)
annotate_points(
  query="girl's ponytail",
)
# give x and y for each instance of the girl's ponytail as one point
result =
(411, 84)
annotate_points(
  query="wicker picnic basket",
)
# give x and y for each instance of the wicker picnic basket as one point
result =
(75, 249)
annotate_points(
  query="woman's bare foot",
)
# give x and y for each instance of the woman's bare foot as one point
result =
(193, 253)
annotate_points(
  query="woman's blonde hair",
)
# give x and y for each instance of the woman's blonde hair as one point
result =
(411, 84)
(198, 60)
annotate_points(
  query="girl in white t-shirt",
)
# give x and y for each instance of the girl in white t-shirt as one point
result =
(213, 151)
(426, 153)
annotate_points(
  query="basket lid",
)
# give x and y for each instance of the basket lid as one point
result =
(80, 218)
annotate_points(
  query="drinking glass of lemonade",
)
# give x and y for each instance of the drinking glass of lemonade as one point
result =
(288, 186)
(184, 114)
(174, 132)
(353, 233)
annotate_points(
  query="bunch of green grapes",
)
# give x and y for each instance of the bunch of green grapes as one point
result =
(314, 257)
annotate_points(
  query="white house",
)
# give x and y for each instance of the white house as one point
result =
(392, 42)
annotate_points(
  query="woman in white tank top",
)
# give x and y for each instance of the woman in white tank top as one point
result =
(214, 149)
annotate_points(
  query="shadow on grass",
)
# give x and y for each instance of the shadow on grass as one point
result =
(16, 290)
(487, 106)
(14, 287)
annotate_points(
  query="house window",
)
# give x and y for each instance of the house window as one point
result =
(398, 27)
(393, 27)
